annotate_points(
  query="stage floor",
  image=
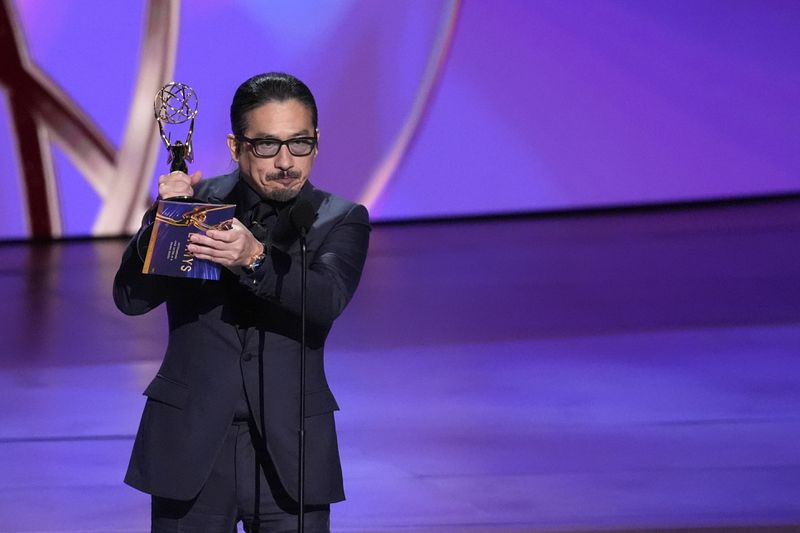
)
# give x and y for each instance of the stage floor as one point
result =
(595, 372)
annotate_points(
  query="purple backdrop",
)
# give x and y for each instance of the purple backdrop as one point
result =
(533, 105)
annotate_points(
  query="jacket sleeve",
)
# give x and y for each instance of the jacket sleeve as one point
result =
(136, 293)
(333, 272)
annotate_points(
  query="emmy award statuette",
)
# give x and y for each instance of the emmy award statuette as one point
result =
(176, 104)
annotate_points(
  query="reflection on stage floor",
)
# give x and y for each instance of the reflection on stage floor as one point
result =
(608, 371)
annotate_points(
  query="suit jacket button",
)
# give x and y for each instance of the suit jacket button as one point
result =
(247, 356)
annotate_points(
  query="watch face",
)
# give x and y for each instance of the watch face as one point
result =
(256, 262)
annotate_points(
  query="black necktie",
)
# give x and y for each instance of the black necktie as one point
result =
(260, 223)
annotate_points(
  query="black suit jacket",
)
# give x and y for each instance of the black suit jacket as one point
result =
(245, 329)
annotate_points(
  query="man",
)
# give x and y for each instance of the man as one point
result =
(217, 443)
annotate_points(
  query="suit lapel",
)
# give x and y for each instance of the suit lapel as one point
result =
(223, 190)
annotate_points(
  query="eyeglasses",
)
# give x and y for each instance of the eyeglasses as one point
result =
(266, 147)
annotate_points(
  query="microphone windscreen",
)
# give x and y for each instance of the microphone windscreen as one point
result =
(283, 233)
(302, 215)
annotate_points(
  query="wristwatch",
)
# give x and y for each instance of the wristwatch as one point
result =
(257, 261)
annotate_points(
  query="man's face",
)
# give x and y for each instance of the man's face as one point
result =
(280, 177)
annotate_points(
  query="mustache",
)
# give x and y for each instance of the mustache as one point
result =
(283, 174)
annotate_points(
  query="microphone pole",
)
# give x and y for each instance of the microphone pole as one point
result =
(302, 434)
(302, 217)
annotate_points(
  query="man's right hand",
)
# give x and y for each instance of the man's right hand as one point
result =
(176, 184)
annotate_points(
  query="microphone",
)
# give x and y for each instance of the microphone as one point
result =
(302, 216)
(293, 222)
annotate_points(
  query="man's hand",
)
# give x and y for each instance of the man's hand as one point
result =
(177, 184)
(235, 247)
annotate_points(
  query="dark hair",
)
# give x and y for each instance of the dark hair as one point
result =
(269, 87)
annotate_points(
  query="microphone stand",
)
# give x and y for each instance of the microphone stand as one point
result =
(301, 463)
(302, 217)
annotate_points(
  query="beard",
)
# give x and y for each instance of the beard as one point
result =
(281, 195)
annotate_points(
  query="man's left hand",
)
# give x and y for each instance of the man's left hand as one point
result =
(235, 247)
